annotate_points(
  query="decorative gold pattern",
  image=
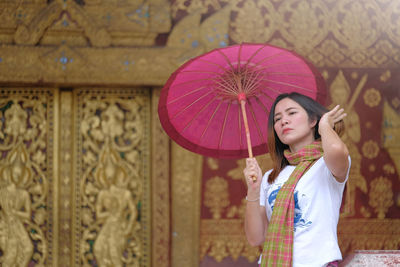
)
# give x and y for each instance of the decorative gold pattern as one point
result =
(112, 186)
(372, 97)
(216, 196)
(161, 236)
(391, 134)
(226, 237)
(186, 192)
(66, 179)
(370, 149)
(381, 195)
(26, 178)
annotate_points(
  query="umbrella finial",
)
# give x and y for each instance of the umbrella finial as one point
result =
(241, 96)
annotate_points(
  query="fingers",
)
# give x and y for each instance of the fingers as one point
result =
(337, 114)
(252, 170)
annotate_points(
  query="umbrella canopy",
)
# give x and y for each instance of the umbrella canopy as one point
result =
(211, 101)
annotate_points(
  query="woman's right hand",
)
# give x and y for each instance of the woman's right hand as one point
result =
(253, 175)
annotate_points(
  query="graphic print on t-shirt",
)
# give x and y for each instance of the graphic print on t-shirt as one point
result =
(300, 219)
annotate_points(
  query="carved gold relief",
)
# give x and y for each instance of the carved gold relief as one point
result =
(391, 134)
(341, 94)
(259, 27)
(370, 149)
(381, 195)
(113, 181)
(216, 196)
(161, 223)
(305, 23)
(186, 202)
(25, 177)
(224, 238)
(372, 97)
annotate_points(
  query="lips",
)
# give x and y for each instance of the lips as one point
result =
(284, 131)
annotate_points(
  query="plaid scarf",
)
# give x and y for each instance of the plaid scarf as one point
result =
(278, 245)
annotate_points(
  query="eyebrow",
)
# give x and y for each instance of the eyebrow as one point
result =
(279, 113)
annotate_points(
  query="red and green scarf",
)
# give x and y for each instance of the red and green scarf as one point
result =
(278, 246)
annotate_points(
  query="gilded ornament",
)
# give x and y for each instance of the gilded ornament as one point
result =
(381, 195)
(214, 30)
(392, 20)
(396, 102)
(304, 23)
(356, 32)
(24, 180)
(216, 196)
(255, 21)
(365, 212)
(391, 133)
(372, 97)
(212, 163)
(388, 168)
(112, 186)
(372, 167)
(370, 149)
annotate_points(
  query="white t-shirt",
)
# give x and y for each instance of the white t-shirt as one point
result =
(318, 197)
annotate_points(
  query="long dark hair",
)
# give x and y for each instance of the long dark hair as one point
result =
(275, 146)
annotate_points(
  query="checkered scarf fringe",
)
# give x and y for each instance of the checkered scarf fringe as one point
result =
(278, 246)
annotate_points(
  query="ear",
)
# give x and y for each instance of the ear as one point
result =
(313, 122)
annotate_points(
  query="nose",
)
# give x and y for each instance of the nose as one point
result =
(284, 121)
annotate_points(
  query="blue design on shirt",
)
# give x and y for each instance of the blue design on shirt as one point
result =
(299, 221)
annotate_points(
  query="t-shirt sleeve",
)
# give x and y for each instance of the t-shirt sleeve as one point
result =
(347, 175)
(264, 188)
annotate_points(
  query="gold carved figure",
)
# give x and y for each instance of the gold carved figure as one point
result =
(115, 209)
(15, 210)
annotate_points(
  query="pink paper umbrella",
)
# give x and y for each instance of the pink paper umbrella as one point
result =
(217, 104)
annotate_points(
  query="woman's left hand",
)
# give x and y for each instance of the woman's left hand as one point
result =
(331, 117)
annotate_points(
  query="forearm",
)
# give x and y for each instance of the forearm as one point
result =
(254, 223)
(332, 144)
(335, 152)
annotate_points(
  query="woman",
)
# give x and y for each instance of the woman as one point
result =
(303, 143)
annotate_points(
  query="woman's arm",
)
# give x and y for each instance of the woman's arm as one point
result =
(255, 216)
(335, 151)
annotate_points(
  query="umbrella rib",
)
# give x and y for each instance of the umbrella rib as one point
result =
(198, 113)
(262, 104)
(254, 54)
(279, 64)
(272, 89)
(239, 54)
(184, 95)
(226, 87)
(224, 124)
(292, 74)
(227, 60)
(252, 81)
(209, 121)
(255, 120)
(212, 63)
(271, 57)
(240, 128)
(291, 85)
(191, 104)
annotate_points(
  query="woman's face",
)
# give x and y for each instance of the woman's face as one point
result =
(292, 125)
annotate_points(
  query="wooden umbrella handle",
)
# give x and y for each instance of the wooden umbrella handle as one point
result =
(246, 127)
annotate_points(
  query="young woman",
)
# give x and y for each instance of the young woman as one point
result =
(294, 209)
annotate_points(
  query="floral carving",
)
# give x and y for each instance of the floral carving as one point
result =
(381, 195)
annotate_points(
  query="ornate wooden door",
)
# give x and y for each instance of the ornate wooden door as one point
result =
(75, 177)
